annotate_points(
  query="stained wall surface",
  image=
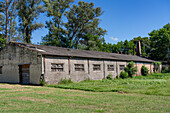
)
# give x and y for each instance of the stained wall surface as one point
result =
(55, 68)
(12, 56)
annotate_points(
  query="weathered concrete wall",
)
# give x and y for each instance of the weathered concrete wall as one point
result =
(42, 65)
(55, 77)
(98, 74)
(107, 72)
(78, 75)
(118, 66)
(10, 70)
(139, 66)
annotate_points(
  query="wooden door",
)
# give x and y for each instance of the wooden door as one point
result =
(24, 74)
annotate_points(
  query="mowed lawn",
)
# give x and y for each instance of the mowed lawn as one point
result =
(145, 97)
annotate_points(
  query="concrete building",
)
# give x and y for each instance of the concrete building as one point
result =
(29, 63)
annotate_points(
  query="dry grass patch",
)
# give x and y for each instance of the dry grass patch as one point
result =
(32, 99)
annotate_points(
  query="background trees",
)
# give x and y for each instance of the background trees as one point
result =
(8, 22)
(28, 12)
(81, 21)
(57, 33)
(160, 43)
(73, 26)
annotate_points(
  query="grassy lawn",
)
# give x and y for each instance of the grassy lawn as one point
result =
(141, 94)
(155, 84)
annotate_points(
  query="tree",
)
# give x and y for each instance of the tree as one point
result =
(8, 20)
(28, 12)
(83, 19)
(91, 42)
(57, 34)
(1, 42)
(160, 43)
(120, 47)
(80, 21)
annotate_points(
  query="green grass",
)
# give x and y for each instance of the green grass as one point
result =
(155, 84)
(142, 96)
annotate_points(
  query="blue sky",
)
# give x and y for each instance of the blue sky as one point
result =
(124, 19)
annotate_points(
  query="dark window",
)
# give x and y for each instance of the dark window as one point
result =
(0, 69)
(57, 67)
(110, 67)
(122, 67)
(96, 67)
(79, 67)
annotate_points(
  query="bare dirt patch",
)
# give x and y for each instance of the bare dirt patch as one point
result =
(42, 92)
(33, 99)
(8, 86)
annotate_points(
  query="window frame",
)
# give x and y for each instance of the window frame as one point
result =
(78, 68)
(95, 68)
(109, 68)
(121, 67)
(57, 68)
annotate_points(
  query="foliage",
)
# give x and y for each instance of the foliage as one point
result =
(8, 23)
(144, 70)
(130, 69)
(81, 22)
(42, 82)
(56, 26)
(156, 66)
(91, 42)
(83, 19)
(160, 43)
(65, 81)
(2, 42)
(123, 75)
(28, 12)
(110, 76)
(165, 70)
(145, 45)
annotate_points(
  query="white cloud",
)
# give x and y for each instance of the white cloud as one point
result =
(114, 39)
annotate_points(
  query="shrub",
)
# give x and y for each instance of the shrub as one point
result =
(123, 75)
(165, 70)
(144, 70)
(130, 69)
(42, 82)
(65, 81)
(156, 66)
(109, 77)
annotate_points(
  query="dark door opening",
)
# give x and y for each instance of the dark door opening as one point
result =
(24, 74)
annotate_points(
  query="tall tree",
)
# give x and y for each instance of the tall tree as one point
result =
(128, 47)
(160, 43)
(28, 12)
(1, 42)
(91, 42)
(55, 11)
(83, 19)
(8, 20)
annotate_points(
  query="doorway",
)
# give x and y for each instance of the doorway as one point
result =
(24, 74)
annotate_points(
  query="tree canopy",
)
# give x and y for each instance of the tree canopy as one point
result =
(80, 21)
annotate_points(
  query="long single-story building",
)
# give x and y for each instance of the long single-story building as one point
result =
(29, 63)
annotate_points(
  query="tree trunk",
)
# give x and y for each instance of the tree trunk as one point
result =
(6, 27)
